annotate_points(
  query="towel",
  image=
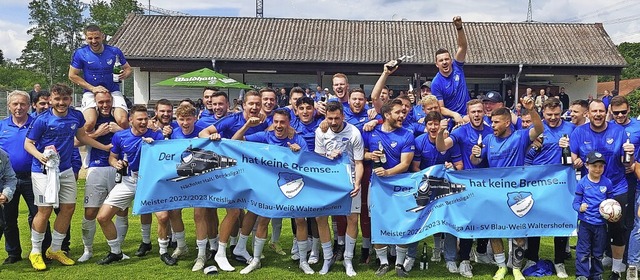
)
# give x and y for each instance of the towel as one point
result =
(53, 176)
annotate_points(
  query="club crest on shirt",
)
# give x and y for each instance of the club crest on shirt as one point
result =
(290, 184)
(73, 126)
(520, 203)
(609, 141)
(110, 61)
(603, 189)
(394, 144)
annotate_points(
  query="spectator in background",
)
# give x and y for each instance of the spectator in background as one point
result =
(564, 99)
(540, 100)
(425, 89)
(32, 94)
(509, 99)
(282, 98)
(517, 109)
(606, 99)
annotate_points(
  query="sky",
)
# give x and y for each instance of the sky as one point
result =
(619, 17)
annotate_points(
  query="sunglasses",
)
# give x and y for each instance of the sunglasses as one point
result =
(624, 112)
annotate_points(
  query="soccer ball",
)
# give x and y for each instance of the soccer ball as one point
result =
(610, 210)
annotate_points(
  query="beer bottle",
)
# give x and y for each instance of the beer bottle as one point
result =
(566, 154)
(423, 258)
(122, 171)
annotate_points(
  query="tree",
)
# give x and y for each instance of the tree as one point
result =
(110, 16)
(56, 27)
(631, 53)
(1, 57)
(14, 76)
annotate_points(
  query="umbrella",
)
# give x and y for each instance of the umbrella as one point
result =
(204, 77)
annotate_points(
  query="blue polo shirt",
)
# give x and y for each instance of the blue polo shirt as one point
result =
(452, 90)
(394, 143)
(427, 154)
(97, 68)
(506, 151)
(592, 194)
(229, 125)
(12, 141)
(465, 137)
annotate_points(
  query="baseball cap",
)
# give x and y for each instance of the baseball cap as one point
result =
(326, 89)
(426, 84)
(493, 96)
(594, 157)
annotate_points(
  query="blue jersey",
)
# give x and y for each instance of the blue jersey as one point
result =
(269, 137)
(358, 120)
(125, 142)
(99, 157)
(178, 134)
(609, 143)
(207, 119)
(592, 194)
(307, 131)
(516, 126)
(49, 129)
(416, 128)
(452, 90)
(427, 154)
(394, 143)
(417, 112)
(550, 152)
(12, 141)
(508, 151)
(97, 68)
(465, 137)
(229, 125)
(76, 160)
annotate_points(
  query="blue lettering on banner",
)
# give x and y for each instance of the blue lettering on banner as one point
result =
(270, 181)
(478, 203)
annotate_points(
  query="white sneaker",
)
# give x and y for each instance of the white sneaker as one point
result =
(295, 256)
(85, 256)
(632, 272)
(255, 264)
(482, 258)
(435, 256)
(179, 251)
(452, 267)
(313, 259)
(408, 263)
(607, 261)
(306, 268)
(560, 271)
(199, 264)
(465, 269)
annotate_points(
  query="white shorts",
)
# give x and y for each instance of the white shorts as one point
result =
(123, 193)
(356, 203)
(68, 188)
(100, 181)
(89, 101)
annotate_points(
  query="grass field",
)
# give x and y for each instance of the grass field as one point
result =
(150, 267)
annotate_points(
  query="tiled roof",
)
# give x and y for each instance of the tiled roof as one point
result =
(359, 41)
(626, 86)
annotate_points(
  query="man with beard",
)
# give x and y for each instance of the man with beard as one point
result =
(504, 148)
(127, 143)
(465, 137)
(55, 127)
(579, 112)
(226, 128)
(397, 146)
(278, 137)
(216, 105)
(550, 152)
(619, 110)
(100, 176)
(40, 103)
(96, 61)
(608, 139)
(342, 139)
(449, 84)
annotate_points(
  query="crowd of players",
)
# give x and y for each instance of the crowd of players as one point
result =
(385, 138)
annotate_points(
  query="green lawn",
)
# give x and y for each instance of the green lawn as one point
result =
(273, 266)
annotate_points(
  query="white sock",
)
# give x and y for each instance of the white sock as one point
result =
(327, 253)
(122, 226)
(164, 244)
(56, 240)
(213, 244)
(115, 246)
(221, 257)
(303, 248)
(146, 233)
(500, 259)
(366, 243)
(180, 239)
(315, 250)
(233, 240)
(349, 247)
(36, 242)
(242, 243)
(202, 247)
(258, 245)
(88, 233)
(276, 230)
(340, 239)
(401, 254)
(618, 266)
(173, 235)
(382, 255)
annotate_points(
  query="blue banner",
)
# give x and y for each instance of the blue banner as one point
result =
(270, 181)
(478, 203)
